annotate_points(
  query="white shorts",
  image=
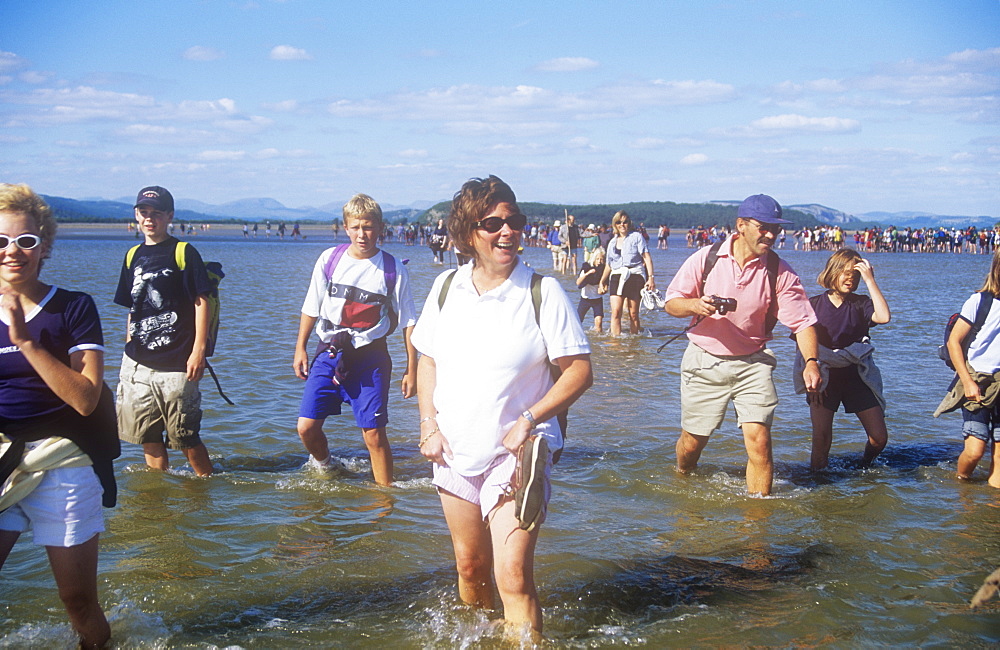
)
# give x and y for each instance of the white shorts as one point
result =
(63, 510)
(487, 489)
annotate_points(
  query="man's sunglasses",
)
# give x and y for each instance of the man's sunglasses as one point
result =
(773, 228)
(25, 242)
(494, 224)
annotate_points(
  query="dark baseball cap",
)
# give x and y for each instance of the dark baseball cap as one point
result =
(155, 197)
(762, 208)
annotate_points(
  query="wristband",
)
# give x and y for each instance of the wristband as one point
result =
(813, 359)
(530, 418)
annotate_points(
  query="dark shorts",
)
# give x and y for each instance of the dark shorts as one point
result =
(633, 286)
(846, 387)
(366, 387)
(586, 304)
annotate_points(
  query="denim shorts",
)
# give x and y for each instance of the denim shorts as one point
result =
(981, 424)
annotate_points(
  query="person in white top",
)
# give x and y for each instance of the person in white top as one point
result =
(357, 297)
(980, 413)
(484, 386)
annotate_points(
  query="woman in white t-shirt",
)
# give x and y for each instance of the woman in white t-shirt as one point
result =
(486, 335)
(982, 353)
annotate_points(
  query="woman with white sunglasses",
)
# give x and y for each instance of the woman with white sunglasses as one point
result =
(51, 379)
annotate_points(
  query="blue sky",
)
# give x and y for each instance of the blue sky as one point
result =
(860, 106)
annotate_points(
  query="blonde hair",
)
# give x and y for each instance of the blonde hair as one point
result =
(625, 219)
(838, 262)
(361, 206)
(23, 200)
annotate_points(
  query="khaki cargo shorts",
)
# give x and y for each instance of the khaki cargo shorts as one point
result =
(154, 402)
(709, 383)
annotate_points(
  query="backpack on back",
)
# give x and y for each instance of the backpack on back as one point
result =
(215, 276)
(982, 311)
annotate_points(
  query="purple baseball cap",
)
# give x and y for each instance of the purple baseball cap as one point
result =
(156, 197)
(762, 208)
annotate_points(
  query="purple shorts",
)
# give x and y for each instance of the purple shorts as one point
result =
(366, 387)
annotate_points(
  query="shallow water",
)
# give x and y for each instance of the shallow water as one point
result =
(267, 554)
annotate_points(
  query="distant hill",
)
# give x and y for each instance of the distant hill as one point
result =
(652, 213)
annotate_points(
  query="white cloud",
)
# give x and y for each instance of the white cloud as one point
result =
(216, 155)
(513, 103)
(10, 62)
(35, 77)
(567, 64)
(793, 122)
(202, 53)
(285, 106)
(289, 53)
(647, 143)
(694, 159)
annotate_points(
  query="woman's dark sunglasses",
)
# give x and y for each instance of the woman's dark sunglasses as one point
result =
(25, 242)
(494, 224)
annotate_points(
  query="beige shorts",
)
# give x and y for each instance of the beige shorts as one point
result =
(154, 402)
(709, 383)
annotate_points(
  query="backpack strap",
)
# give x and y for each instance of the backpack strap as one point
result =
(772, 278)
(982, 311)
(130, 255)
(445, 286)
(713, 257)
(389, 269)
(331, 263)
(179, 251)
(536, 297)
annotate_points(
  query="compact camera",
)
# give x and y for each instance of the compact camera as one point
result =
(724, 305)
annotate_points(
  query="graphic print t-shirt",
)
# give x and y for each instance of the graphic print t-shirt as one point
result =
(64, 322)
(160, 299)
(355, 298)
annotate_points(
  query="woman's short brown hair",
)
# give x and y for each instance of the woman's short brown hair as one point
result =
(838, 262)
(474, 201)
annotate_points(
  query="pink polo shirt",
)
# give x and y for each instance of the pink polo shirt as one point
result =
(740, 332)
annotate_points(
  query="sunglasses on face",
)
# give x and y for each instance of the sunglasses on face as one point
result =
(494, 224)
(773, 228)
(25, 242)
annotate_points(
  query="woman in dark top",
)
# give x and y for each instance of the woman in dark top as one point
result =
(51, 377)
(844, 318)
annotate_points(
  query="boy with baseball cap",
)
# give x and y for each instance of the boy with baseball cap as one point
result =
(165, 289)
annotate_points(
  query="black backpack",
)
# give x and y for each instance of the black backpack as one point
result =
(983, 310)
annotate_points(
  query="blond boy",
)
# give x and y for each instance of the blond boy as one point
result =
(357, 297)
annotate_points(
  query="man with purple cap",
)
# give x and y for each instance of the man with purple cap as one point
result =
(165, 287)
(734, 292)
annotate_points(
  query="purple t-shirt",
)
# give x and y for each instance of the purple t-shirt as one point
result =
(64, 322)
(838, 327)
